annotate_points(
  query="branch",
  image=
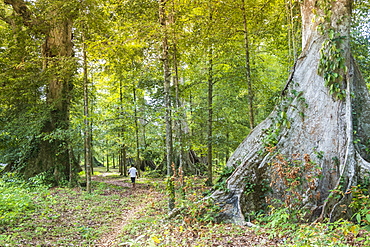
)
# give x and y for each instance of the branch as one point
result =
(20, 7)
(6, 19)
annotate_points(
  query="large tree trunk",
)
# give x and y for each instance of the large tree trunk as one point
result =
(50, 154)
(310, 135)
(57, 53)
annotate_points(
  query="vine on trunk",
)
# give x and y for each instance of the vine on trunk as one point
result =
(282, 120)
(332, 62)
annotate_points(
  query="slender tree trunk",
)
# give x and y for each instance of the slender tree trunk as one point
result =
(144, 134)
(227, 147)
(210, 117)
(107, 162)
(124, 156)
(87, 134)
(178, 122)
(248, 68)
(122, 151)
(122, 169)
(167, 100)
(72, 180)
(91, 139)
(120, 161)
(113, 161)
(138, 161)
(292, 30)
(167, 84)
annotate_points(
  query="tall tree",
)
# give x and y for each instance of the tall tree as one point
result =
(316, 139)
(248, 67)
(210, 82)
(163, 19)
(87, 126)
(50, 152)
(136, 119)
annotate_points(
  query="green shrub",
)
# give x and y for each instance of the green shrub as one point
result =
(361, 206)
(224, 175)
(154, 174)
(17, 197)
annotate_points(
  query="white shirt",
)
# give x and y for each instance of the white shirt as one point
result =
(132, 171)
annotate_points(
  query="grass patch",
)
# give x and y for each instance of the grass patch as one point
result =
(60, 216)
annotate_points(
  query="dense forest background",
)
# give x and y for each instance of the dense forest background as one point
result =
(225, 64)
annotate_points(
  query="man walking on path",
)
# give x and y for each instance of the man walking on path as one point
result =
(132, 171)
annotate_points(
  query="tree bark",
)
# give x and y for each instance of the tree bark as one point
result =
(311, 130)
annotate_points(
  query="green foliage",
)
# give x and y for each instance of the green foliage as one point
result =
(43, 179)
(332, 61)
(196, 209)
(332, 66)
(280, 221)
(283, 224)
(203, 211)
(16, 199)
(340, 233)
(249, 188)
(63, 216)
(319, 154)
(154, 174)
(170, 189)
(223, 176)
(271, 137)
(291, 101)
(34, 216)
(360, 37)
(361, 205)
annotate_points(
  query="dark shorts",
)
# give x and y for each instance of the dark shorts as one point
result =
(133, 179)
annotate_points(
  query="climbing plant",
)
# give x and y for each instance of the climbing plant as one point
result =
(332, 62)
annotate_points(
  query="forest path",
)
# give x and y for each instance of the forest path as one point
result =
(138, 199)
(140, 203)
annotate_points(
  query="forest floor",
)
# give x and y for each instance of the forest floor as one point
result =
(115, 214)
(143, 223)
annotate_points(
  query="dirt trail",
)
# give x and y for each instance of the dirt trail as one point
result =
(136, 204)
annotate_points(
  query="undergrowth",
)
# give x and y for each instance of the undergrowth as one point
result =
(37, 216)
(33, 215)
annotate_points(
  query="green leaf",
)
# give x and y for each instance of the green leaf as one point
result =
(368, 218)
(331, 34)
(358, 218)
